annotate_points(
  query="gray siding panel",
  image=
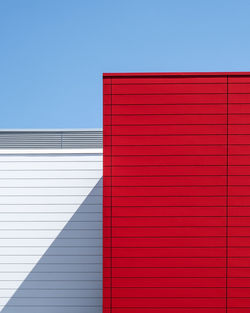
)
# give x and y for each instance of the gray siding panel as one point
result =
(55, 309)
(93, 139)
(43, 139)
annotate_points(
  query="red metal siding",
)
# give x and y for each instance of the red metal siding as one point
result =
(239, 194)
(176, 193)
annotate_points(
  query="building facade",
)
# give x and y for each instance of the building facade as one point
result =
(176, 193)
(51, 221)
(162, 224)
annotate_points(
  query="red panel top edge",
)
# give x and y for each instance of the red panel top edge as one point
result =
(176, 74)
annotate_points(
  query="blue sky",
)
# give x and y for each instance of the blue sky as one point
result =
(53, 52)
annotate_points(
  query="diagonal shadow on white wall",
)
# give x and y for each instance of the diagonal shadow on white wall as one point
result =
(68, 277)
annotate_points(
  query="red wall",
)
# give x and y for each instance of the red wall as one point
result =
(176, 193)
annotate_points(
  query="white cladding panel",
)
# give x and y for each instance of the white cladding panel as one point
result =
(51, 233)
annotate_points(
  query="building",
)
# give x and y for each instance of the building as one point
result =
(168, 230)
(176, 193)
(51, 221)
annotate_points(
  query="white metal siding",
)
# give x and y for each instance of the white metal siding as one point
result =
(51, 233)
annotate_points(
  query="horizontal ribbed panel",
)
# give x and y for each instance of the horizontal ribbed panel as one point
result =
(51, 232)
(51, 139)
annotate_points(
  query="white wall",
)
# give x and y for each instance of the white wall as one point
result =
(51, 232)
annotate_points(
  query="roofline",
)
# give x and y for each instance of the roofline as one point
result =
(46, 130)
(166, 74)
(23, 151)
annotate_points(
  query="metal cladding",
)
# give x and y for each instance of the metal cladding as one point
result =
(176, 203)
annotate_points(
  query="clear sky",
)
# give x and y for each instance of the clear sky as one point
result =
(53, 52)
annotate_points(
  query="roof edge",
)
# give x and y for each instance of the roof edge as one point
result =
(49, 130)
(162, 74)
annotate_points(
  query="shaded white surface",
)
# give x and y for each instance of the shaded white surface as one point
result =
(39, 195)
